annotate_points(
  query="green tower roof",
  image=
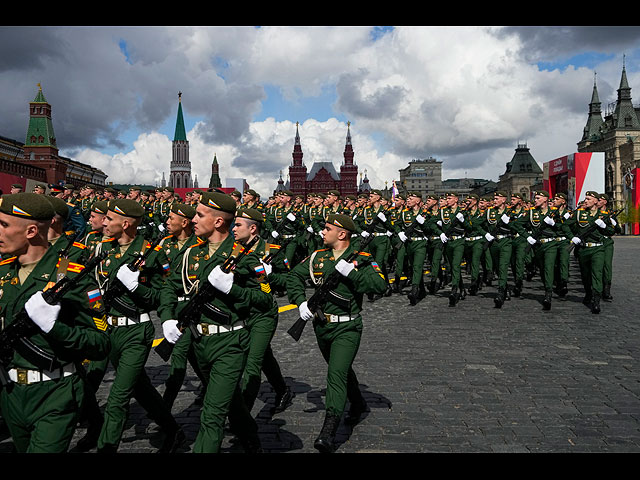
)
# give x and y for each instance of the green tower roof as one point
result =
(181, 134)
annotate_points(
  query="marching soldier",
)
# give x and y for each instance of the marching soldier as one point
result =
(290, 226)
(476, 236)
(518, 245)
(16, 188)
(565, 219)
(41, 407)
(453, 225)
(263, 325)
(129, 297)
(222, 348)
(538, 226)
(500, 238)
(380, 246)
(435, 241)
(338, 333)
(608, 249)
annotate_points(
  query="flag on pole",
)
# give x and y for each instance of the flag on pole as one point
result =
(394, 191)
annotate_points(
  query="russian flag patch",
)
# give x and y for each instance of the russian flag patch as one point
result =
(94, 295)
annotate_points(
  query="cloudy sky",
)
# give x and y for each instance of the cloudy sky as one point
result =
(464, 95)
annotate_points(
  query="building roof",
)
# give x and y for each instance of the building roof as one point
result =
(522, 162)
(180, 134)
(317, 166)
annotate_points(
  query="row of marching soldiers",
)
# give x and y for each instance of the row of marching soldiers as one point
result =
(73, 303)
(498, 238)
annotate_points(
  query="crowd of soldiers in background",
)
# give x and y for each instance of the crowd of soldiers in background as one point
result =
(423, 244)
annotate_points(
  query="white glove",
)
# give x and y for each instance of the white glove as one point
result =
(305, 313)
(439, 222)
(489, 237)
(161, 228)
(275, 234)
(382, 217)
(267, 268)
(388, 234)
(402, 236)
(291, 217)
(549, 221)
(460, 217)
(567, 216)
(128, 278)
(613, 222)
(220, 280)
(344, 268)
(321, 233)
(42, 314)
(365, 234)
(576, 240)
(310, 229)
(600, 223)
(443, 238)
(420, 219)
(531, 240)
(505, 218)
(171, 331)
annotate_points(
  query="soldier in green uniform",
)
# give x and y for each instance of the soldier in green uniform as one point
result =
(538, 226)
(518, 245)
(476, 236)
(500, 235)
(314, 223)
(41, 407)
(565, 219)
(380, 246)
(222, 348)
(286, 226)
(338, 334)
(414, 244)
(180, 238)
(397, 253)
(607, 273)
(263, 325)
(453, 223)
(129, 297)
(590, 245)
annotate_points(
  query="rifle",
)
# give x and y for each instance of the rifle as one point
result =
(116, 289)
(325, 291)
(16, 336)
(409, 230)
(200, 302)
(538, 233)
(588, 230)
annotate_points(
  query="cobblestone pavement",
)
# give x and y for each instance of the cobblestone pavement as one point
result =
(467, 379)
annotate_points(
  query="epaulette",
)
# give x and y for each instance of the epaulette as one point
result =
(106, 240)
(273, 246)
(8, 260)
(606, 212)
(69, 232)
(71, 204)
(79, 245)
(322, 250)
(168, 236)
(366, 254)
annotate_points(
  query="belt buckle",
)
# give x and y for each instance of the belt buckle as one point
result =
(327, 317)
(205, 328)
(22, 376)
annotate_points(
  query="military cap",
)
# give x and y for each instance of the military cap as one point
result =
(27, 205)
(219, 201)
(168, 189)
(413, 194)
(16, 185)
(473, 196)
(110, 190)
(543, 193)
(286, 192)
(311, 195)
(69, 186)
(451, 194)
(99, 206)
(517, 195)
(252, 193)
(236, 193)
(333, 192)
(59, 206)
(402, 196)
(300, 195)
(55, 188)
(363, 195)
(126, 207)
(376, 192)
(432, 196)
(251, 214)
(500, 193)
(561, 195)
(321, 195)
(487, 198)
(604, 196)
(134, 188)
(342, 221)
(183, 210)
(197, 190)
(40, 185)
(591, 193)
(350, 197)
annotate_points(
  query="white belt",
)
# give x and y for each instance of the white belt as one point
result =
(418, 238)
(455, 237)
(379, 234)
(183, 299)
(24, 376)
(434, 238)
(561, 238)
(471, 239)
(207, 329)
(592, 244)
(124, 321)
(338, 318)
(545, 240)
(288, 236)
(500, 237)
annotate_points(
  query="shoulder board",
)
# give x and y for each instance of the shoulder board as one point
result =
(168, 236)
(322, 250)
(156, 249)
(606, 212)
(69, 232)
(71, 204)
(273, 246)
(79, 245)
(8, 260)
(92, 231)
(75, 267)
(580, 209)
(554, 208)
(199, 242)
(366, 254)
(107, 240)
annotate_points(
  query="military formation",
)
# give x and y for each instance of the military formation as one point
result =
(82, 272)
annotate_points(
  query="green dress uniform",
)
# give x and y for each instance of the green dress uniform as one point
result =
(499, 226)
(338, 336)
(544, 231)
(221, 350)
(518, 253)
(132, 334)
(414, 249)
(607, 271)
(565, 220)
(289, 232)
(41, 408)
(435, 247)
(455, 230)
(591, 252)
(474, 246)
(315, 222)
(380, 246)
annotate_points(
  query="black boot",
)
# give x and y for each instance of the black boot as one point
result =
(283, 400)
(422, 292)
(413, 295)
(395, 287)
(517, 289)
(172, 441)
(432, 286)
(454, 296)
(587, 299)
(251, 444)
(546, 303)
(355, 412)
(324, 442)
(606, 292)
(499, 300)
(595, 303)
(473, 289)
(562, 289)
